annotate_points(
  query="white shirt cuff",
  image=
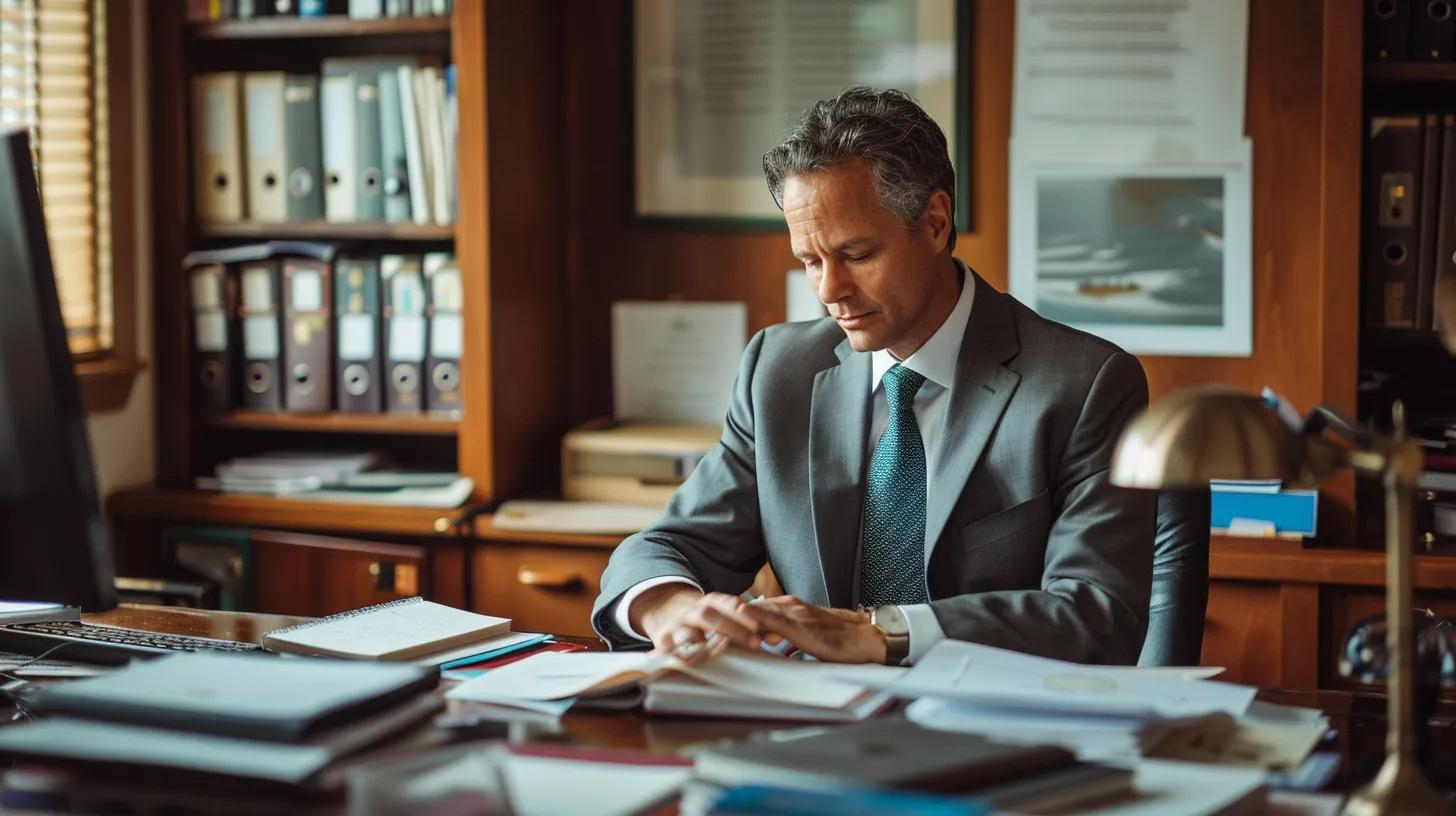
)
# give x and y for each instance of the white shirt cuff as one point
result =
(624, 604)
(925, 630)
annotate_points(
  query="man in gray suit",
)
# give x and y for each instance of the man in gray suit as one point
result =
(930, 461)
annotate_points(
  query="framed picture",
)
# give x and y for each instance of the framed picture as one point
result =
(716, 83)
(1154, 257)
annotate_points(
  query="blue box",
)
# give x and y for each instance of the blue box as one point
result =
(1293, 513)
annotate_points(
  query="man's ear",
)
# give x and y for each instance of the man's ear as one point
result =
(936, 220)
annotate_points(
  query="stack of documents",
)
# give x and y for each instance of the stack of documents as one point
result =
(735, 684)
(1104, 713)
(351, 478)
(218, 717)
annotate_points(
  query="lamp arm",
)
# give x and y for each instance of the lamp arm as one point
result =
(1323, 416)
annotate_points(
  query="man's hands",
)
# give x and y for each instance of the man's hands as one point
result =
(835, 635)
(680, 619)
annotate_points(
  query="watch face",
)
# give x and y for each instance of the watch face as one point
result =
(892, 620)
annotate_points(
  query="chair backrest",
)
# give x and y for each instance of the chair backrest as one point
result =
(1180, 580)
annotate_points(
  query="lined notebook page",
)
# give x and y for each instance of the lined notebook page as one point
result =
(399, 629)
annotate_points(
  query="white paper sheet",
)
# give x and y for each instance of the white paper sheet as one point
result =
(1134, 81)
(553, 675)
(1130, 174)
(675, 362)
(958, 670)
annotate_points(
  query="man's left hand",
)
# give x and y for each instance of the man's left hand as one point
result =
(835, 635)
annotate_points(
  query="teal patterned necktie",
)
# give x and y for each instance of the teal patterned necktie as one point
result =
(892, 538)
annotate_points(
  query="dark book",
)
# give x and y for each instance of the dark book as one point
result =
(890, 752)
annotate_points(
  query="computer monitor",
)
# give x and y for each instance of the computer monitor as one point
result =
(53, 541)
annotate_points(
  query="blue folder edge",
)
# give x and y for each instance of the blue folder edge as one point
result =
(765, 799)
(1292, 512)
(490, 654)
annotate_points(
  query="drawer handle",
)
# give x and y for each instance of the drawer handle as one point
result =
(547, 579)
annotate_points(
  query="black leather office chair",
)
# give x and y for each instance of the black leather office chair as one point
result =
(1180, 580)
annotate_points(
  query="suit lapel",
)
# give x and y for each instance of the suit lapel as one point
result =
(983, 387)
(839, 414)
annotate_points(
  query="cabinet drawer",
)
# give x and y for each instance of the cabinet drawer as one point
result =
(296, 574)
(541, 588)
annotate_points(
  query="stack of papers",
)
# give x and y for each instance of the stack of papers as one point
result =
(991, 677)
(1104, 713)
(351, 478)
(736, 683)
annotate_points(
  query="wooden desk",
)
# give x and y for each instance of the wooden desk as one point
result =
(1358, 718)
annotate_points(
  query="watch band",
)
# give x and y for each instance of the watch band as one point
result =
(896, 628)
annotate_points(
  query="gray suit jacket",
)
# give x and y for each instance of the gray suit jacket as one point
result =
(1034, 549)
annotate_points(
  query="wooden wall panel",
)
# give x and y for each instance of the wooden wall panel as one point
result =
(1263, 634)
(1303, 112)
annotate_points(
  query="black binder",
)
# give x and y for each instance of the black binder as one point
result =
(1387, 30)
(214, 321)
(1400, 170)
(1433, 30)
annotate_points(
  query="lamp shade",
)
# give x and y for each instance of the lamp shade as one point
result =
(1207, 432)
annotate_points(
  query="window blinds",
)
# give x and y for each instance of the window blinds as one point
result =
(53, 83)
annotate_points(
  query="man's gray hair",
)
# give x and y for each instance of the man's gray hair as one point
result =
(905, 146)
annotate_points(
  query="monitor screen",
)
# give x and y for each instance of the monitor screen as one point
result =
(53, 542)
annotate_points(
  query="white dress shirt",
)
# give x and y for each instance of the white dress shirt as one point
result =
(936, 361)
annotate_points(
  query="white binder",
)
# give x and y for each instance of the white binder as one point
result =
(337, 130)
(217, 157)
(267, 187)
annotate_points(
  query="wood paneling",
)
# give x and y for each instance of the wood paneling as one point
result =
(1303, 112)
(511, 243)
(1241, 632)
(1231, 558)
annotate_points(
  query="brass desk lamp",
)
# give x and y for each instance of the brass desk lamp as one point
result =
(1213, 432)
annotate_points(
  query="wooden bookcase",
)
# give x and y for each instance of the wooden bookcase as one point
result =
(511, 256)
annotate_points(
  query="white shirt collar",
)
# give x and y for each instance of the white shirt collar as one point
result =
(935, 360)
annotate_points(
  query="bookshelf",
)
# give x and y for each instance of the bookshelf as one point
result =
(426, 425)
(325, 231)
(327, 27)
(507, 166)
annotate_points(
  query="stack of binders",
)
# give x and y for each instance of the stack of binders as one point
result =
(1418, 30)
(372, 140)
(290, 326)
(1410, 218)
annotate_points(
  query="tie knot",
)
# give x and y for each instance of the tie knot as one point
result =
(901, 385)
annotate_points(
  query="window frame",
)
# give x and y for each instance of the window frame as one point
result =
(108, 377)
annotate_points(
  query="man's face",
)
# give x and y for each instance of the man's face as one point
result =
(877, 278)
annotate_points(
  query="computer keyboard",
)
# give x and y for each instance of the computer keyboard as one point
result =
(110, 645)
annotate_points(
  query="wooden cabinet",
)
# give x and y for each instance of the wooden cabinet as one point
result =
(541, 587)
(315, 575)
(1279, 615)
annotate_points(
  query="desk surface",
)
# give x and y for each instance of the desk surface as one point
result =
(1359, 719)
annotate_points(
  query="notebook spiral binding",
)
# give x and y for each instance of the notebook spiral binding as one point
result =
(344, 615)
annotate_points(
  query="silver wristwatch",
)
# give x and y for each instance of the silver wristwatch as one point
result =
(891, 621)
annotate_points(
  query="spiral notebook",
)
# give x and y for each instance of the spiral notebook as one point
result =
(398, 630)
